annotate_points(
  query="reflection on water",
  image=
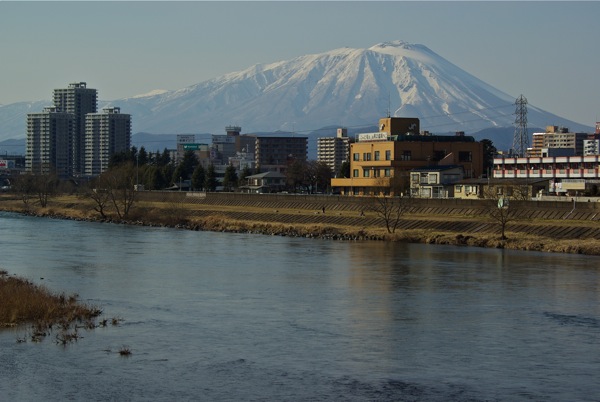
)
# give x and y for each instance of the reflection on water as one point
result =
(213, 316)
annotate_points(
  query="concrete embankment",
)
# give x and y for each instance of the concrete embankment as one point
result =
(541, 226)
(557, 220)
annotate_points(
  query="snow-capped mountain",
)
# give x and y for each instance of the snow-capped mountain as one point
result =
(343, 87)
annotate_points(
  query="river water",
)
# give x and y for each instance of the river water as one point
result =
(222, 317)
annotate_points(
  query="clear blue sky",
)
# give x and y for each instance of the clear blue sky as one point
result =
(546, 50)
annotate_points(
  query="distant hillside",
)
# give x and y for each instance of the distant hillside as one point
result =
(12, 147)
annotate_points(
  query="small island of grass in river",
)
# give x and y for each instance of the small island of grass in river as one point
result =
(25, 303)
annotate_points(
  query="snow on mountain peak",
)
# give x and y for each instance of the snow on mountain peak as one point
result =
(352, 87)
(394, 44)
(150, 94)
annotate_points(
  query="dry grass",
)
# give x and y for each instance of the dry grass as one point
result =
(215, 217)
(24, 302)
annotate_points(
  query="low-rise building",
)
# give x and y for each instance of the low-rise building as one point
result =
(521, 189)
(567, 175)
(435, 181)
(266, 182)
(380, 162)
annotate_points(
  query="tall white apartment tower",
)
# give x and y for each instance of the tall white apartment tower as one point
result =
(78, 100)
(333, 151)
(106, 133)
(48, 147)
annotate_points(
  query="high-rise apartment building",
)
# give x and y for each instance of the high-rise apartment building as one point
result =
(334, 151)
(78, 100)
(71, 138)
(106, 134)
(48, 148)
(381, 162)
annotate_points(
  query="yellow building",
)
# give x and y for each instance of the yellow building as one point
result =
(380, 162)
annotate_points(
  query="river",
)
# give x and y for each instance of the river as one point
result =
(222, 317)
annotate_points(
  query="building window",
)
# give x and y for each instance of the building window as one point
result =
(376, 155)
(356, 157)
(366, 156)
(355, 173)
(406, 156)
(458, 189)
(415, 177)
(432, 179)
(387, 172)
(366, 173)
(388, 155)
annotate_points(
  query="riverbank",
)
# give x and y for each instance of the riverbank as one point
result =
(348, 223)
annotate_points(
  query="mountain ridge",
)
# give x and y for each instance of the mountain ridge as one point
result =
(344, 87)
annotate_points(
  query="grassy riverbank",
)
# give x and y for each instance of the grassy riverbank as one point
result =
(300, 220)
(24, 302)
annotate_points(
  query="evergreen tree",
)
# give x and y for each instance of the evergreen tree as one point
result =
(186, 167)
(165, 158)
(210, 181)
(167, 172)
(321, 176)
(142, 157)
(178, 175)
(344, 170)
(198, 177)
(189, 163)
(296, 175)
(245, 173)
(154, 178)
(230, 179)
(489, 152)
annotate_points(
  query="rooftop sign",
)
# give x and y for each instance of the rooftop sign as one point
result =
(373, 136)
(186, 138)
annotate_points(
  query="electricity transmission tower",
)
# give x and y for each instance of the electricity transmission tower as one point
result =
(521, 139)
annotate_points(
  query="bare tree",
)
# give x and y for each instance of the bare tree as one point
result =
(38, 187)
(45, 186)
(521, 192)
(500, 209)
(100, 196)
(390, 208)
(119, 182)
(24, 185)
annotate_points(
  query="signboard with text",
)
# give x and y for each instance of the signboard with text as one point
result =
(7, 164)
(194, 147)
(373, 136)
(186, 138)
